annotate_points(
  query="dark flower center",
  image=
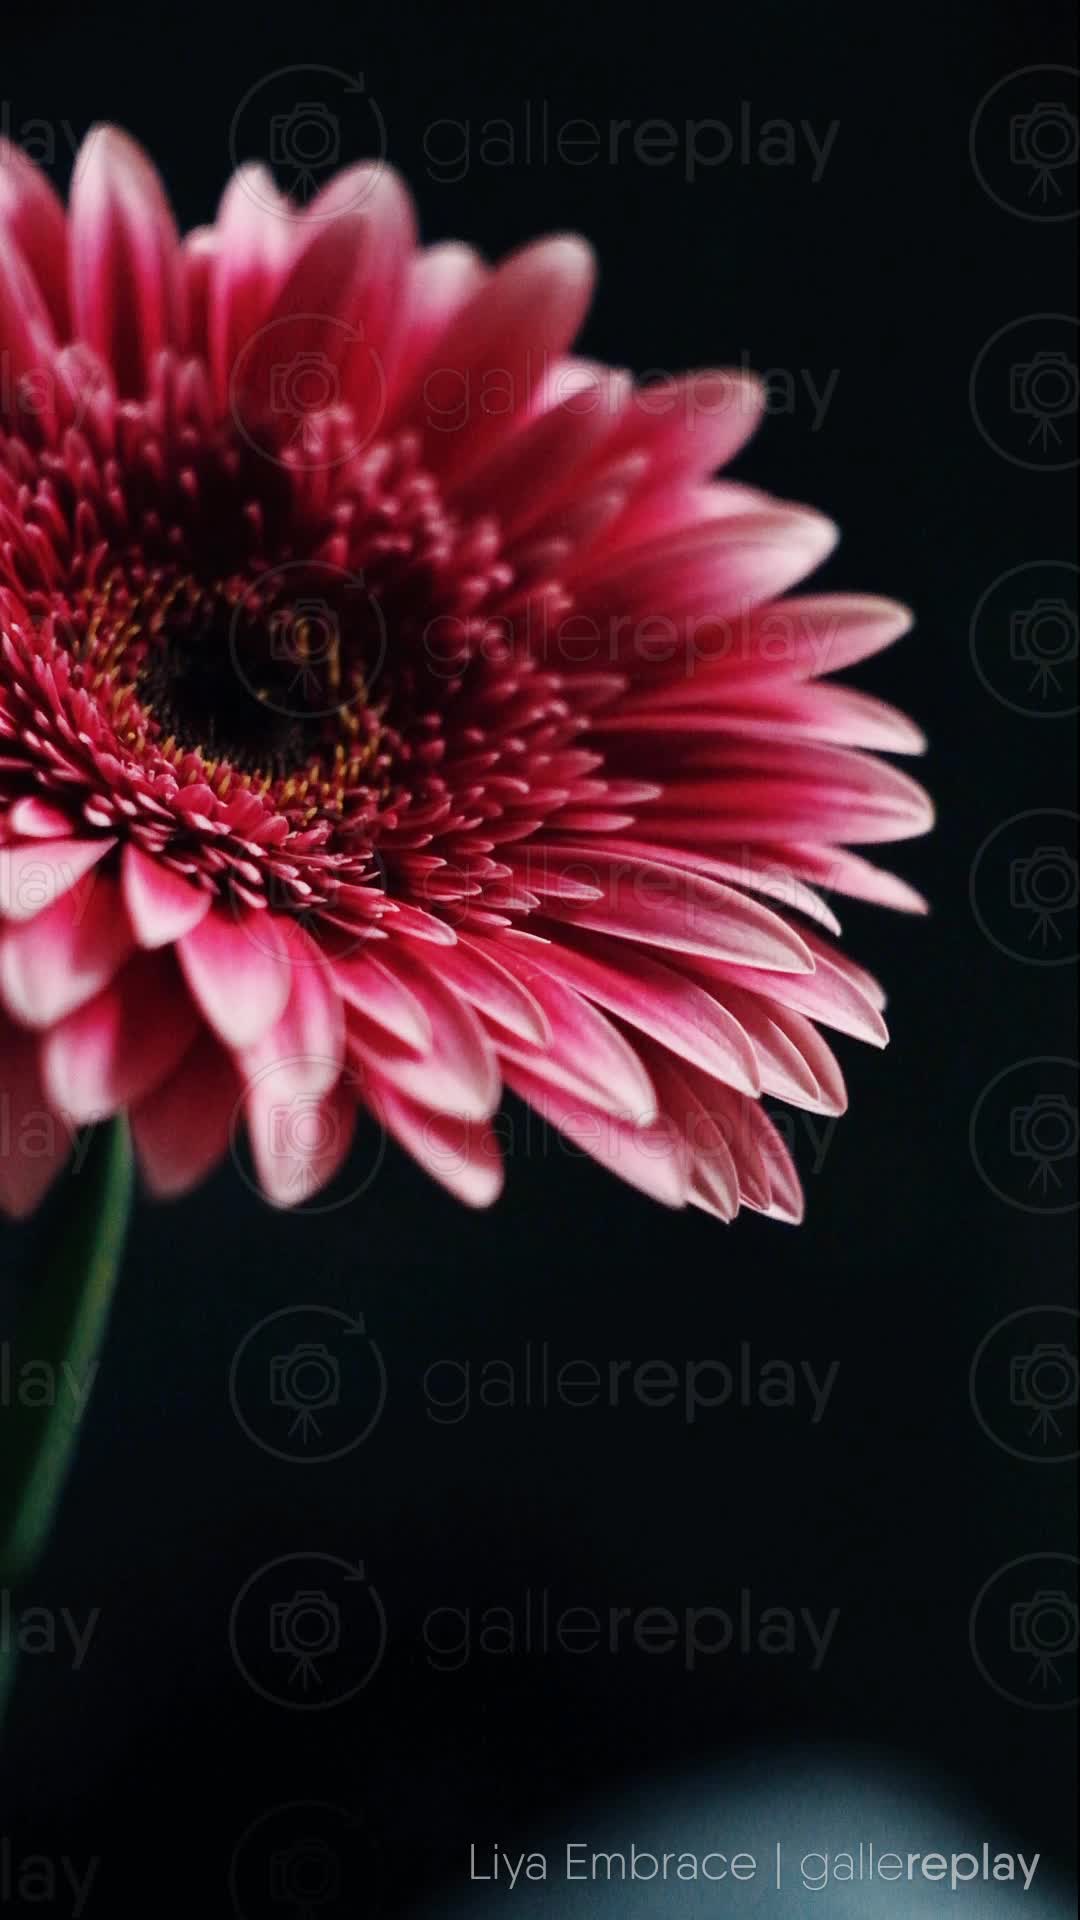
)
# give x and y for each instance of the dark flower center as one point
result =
(260, 719)
(268, 686)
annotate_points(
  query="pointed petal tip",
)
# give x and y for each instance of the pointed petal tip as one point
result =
(788, 1214)
(893, 616)
(162, 1180)
(726, 389)
(903, 615)
(563, 259)
(817, 534)
(567, 253)
(111, 150)
(914, 739)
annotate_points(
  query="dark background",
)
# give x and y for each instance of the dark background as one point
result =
(893, 269)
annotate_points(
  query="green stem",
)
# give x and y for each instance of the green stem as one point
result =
(61, 1334)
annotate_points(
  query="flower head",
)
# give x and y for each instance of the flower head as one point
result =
(394, 707)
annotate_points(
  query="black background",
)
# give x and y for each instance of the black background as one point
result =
(893, 269)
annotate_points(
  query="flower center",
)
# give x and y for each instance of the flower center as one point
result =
(260, 721)
(266, 690)
(266, 680)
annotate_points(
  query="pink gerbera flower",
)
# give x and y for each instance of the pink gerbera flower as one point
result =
(393, 707)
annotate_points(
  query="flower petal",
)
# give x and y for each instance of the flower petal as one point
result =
(181, 1129)
(306, 1046)
(658, 1001)
(298, 1141)
(162, 905)
(462, 1155)
(117, 1048)
(239, 970)
(505, 336)
(473, 968)
(651, 1158)
(126, 275)
(667, 906)
(32, 212)
(458, 1075)
(379, 993)
(35, 1140)
(28, 345)
(54, 963)
(35, 874)
(587, 1057)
